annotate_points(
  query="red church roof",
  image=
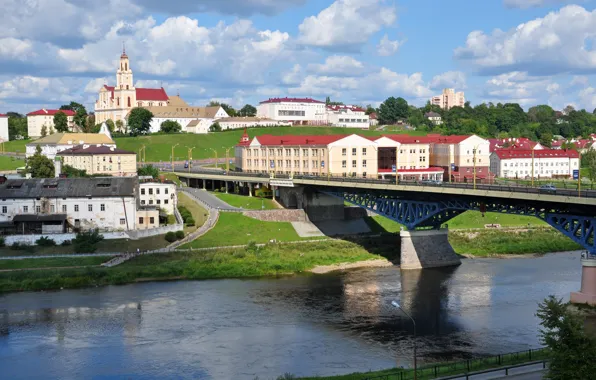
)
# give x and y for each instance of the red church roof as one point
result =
(45, 112)
(155, 94)
(290, 100)
(539, 153)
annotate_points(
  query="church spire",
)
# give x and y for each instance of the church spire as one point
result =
(123, 50)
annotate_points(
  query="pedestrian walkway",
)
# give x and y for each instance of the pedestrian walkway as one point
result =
(209, 200)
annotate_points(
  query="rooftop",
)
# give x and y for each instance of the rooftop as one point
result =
(184, 111)
(431, 114)
(46, 112)
(345, 107)
(68, 187)
(291, 100)
(155, 94)
(298, 140)
(245, 119)
(84, 150)
(540, 153)
(74, 138)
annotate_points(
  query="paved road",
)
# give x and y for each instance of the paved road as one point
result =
(210, 200)
(526, 376)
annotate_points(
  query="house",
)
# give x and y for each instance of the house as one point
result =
(100, 159)
(296, 111)
(514, 143)
(53, 144)
(158, 193)
(36, 120)
(185, 116)
(542, 163)
(373, 119)
(347, 116)
(434, 117)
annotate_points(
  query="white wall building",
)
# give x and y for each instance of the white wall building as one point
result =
(186, 115)
(297, 111)
(347, 116)
(160, 194)
(37, 119)
(434, 117)
(3, 127)
(548, 163)
(247, 122)
(52, 144)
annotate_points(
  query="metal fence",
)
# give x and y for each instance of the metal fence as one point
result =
(460, 368)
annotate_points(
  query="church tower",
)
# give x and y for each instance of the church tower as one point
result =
(125, 95)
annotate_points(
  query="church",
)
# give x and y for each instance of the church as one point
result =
(115, 102)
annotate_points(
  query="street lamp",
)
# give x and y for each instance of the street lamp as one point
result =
(534, 147)
(227, 159)
(398, 306)
(474, 159)
(190, 157)
(173, 146)
(215, 152)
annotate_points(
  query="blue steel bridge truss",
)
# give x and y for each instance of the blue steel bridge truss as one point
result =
(421, 214)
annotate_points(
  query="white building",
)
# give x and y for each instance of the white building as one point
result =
(247, 122)
(448, 99)
(159, 194)
(297, 111)
(61, 205)
(37, 119)
(347, 116)
(52, 144)
(185, 115)
(373, 119)
(434, 117)
(3, 127)
(548, 163)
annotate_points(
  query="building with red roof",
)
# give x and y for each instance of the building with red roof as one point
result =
(37, 120)
(539, 163)
(514, 143)
(115, 102)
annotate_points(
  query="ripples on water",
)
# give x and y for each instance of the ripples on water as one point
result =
(305, 325)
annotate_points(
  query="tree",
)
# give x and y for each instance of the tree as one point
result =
(80, 117)
(215, 127)
(89, 124)
(370, 109)
(589, 161)
(392, 109)
(229, 110)
(71, 172)
(248, 110)
(148, 170)
(120, 127)
(571, 349)
(44, 130)
(61, 122)
(73, 106)
(86, 242)
(567, 110)
(110, 124)
(39, 166)
(170, 126)
(17, 126)
(327, 100)
(139, 121)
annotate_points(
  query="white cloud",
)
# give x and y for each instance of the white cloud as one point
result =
(339, 65)
(579, 80)
(557, 43)
(522, 88)
(449, 79)
(346, 24)
(587, 98)
(237, 7)
(531, 3)
(387, 47)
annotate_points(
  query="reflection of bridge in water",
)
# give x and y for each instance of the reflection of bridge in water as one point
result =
(423, 210)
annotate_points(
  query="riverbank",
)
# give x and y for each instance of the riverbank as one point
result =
(252, 261)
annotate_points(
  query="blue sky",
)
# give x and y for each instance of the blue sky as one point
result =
(355, 51)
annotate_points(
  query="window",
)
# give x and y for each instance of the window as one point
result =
(143, 202)
(150, 201)
(165, 201)
(142, 191)
(141, 220)
(343, 164)
(52, 209)
(25, 208)
(165, 191)
(158, 201)
(305, 152)
(279, 152)
(4, 209)
(76, 208)
(296, 152)
(271, 152)
(151, 220)
(354, 151)
(364, 151)
(363, 163)
(150, 191)
(157, 191)
(38, 209)
(122, 221)
(90, 207)
(353, 163)
(102, 207)
(63, 208)
(344, 151)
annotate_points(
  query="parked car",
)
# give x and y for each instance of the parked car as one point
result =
(548, 189)
(431, 182)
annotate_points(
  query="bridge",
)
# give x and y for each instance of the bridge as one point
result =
(424, 210)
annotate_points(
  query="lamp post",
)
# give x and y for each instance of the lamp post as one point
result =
(397, 163)
(173, 146)
(190, 157)
(398, 306)
(227, 158)
(579, 175)
(474, 159)
(533, 165)
(215, 152)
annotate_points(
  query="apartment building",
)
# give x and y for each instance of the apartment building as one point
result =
(297, 111)
(100, 159)
(36, 120)
(546, 163)
(448, 99)
(3, 128)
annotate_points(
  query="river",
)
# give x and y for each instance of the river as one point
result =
(306, 325)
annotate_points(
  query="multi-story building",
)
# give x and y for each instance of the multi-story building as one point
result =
(161, 194)
(546, 163)
(201, 117)
(3, 128)
(36, 120)
(247, 122)
(53, 144)
(297, 111)
(448, 99)
(100, 159)
(408, 156)
(347, 116)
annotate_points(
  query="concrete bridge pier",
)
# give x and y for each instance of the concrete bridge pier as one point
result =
(427, 249)
(587, 294)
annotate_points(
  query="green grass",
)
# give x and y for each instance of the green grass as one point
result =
(199, 214)
(10, 163)
(271, 260)
(446, 369)
(486, 243)
(236, 229)
(55, 262)
(18, 146)
(171, 177)
(243, 201)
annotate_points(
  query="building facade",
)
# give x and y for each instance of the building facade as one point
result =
(203, 116)
(297, 111)
(161, 194)
(347, 116)
(36, 120)
(53, 144)
(247, 122)
(3, 128)
(101, 159)
(434, 117)
(546, 163)
(456, 155)
(448, 99)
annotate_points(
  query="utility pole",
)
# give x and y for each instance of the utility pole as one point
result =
(190, 157)
(227, 159)
(474, 158)
(579, 176)
(215, 152)
(173, 146)
(397, 164)
(533, 166)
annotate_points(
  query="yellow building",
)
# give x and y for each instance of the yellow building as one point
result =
(101, 159)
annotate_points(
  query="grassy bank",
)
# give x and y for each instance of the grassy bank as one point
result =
(249, 203)
(54, 262)
(271, 260)
(199, 214)
(486, 243)
(10, 163)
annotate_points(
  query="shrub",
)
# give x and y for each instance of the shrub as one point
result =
(45, 241)
(190, 222)
(66, 243)
(86, 242)
(171, 219)
(180, 234)
(184, 213)
(2, 241)
(171, 237)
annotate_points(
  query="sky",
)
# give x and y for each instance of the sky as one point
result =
(355, 51)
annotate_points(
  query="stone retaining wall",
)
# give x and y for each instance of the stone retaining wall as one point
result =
(278, 215)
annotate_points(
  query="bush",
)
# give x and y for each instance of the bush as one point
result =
(180, 234)
(66, 243)
(45, 241)
(184, 213)
(171, 237)
(86, 242)
(2, 241)
(190, 222)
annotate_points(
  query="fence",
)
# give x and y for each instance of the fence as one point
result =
(466, 366)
